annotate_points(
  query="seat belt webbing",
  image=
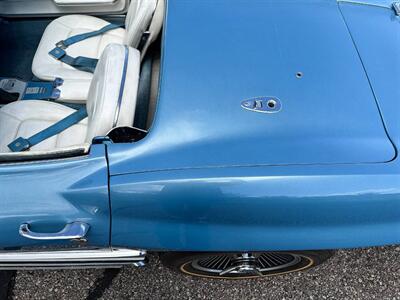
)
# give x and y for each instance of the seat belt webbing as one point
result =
(23, 144)
(83, 36)
(81, 63)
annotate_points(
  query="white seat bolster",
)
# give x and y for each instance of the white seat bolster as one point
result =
(74, 91)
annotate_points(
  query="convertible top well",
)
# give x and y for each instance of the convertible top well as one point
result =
(298, 52)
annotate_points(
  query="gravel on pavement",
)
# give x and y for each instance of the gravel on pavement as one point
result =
(372, 273)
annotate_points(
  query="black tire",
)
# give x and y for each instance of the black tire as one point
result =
(184, 262)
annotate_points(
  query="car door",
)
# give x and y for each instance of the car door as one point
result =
(60, 202)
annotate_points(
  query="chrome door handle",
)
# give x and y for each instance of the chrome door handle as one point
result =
(71, 231)
(83, 2)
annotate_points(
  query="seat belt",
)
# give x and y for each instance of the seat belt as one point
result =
(17, 89)
(81, 63)
(23, 144)
(42, 90)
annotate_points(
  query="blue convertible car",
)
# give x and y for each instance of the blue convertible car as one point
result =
(236, 138)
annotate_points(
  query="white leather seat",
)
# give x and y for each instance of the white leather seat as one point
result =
(110, 103)
(76, 82)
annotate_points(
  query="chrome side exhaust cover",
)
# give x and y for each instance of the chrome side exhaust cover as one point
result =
(77, 259)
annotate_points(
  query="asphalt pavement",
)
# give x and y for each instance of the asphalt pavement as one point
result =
(372, 273)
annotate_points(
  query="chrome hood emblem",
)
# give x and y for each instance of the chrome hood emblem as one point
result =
(263, 104)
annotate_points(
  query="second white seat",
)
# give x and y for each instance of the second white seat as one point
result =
(76, 82)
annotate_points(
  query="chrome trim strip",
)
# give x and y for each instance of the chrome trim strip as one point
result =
(104, 257)
(363, 3)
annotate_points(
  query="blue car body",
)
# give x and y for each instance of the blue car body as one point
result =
(320, 173)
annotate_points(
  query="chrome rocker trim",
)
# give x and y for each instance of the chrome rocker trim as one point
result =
(61, 259)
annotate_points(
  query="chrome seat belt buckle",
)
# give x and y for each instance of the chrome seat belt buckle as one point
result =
(58, 82)
(61, 45)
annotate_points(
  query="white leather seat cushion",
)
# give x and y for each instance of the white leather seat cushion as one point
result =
(26, 118)
(76, 83)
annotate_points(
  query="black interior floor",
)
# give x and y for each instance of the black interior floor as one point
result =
(18, 42)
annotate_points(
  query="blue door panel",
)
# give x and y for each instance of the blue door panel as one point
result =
(50, 194)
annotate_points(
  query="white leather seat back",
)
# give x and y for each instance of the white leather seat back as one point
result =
(113, 90)
(138, 20)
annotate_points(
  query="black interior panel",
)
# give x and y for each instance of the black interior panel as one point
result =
(18, 42)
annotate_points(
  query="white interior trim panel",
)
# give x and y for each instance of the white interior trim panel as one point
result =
(16, 8)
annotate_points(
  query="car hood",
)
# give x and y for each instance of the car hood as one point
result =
(216, 54)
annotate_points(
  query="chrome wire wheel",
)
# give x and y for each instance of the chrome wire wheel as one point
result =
(246, 265)
(243, 265)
